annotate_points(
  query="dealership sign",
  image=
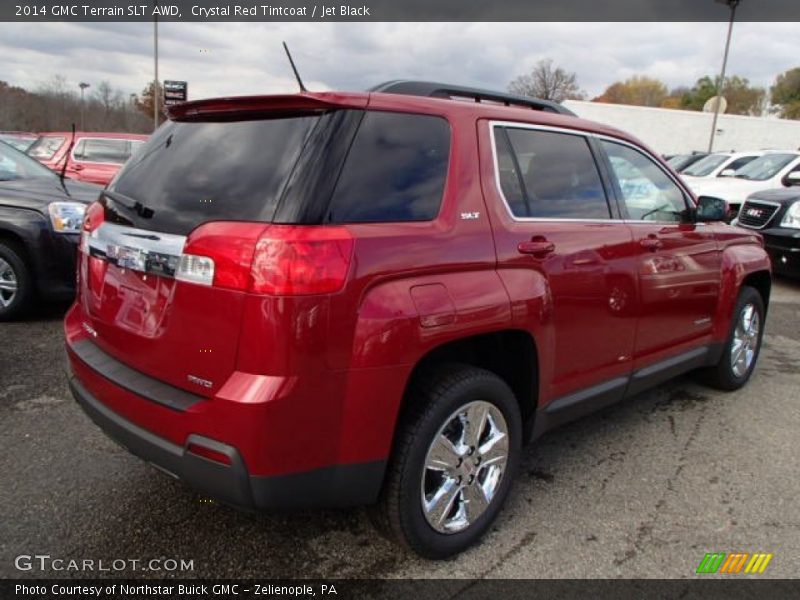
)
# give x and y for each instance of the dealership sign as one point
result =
(175, 92)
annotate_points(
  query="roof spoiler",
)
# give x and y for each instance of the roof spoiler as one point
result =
(241, 105)
(445, 90)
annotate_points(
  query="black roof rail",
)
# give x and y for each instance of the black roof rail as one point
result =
(445, 90)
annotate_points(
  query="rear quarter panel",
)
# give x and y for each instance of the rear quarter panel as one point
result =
(414, 286)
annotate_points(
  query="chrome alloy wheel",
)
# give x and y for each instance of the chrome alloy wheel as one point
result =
(464, 466)
(745, 340)
(8, 284)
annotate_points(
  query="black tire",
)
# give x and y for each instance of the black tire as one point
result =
(433, 399)
(11, 256)
(723, 376)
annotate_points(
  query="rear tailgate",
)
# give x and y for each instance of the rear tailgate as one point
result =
(193, 177)
(176, 331)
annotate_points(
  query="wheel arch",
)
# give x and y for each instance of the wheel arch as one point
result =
(17, 243)
(762, 282)
(511, 354)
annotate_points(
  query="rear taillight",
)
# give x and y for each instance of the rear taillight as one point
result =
(94, 217)
(279, 260)
(295, 260)
(220, 254)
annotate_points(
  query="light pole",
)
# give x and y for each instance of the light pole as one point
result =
(130, 111)
(155, 65)
(83, 86)
(732, 4)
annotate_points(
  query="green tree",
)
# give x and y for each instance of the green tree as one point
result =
(638, 90)
(675, 98)
(742, 98)
(785, 94)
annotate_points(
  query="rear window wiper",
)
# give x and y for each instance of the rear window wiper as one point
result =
(130, 204)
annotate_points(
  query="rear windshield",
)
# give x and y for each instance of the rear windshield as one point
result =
(45, 147)
(193, 172)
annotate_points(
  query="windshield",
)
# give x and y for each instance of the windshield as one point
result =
(21, 143)
(681, 161)
(16, 165)
(765, 167)
(676, 161)
(46, 146)
(705, 166)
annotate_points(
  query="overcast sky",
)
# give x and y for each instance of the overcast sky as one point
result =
(245, 58)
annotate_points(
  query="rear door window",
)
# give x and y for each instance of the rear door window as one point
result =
(134, 146)
(553, 175)
(102, 150)
(395, 170)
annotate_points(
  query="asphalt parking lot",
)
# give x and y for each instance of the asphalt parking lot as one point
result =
(643, 489)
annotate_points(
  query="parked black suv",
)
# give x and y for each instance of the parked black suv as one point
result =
(40, 221)
(776, 214)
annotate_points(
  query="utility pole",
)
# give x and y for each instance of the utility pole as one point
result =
(155, 64)
(732, 4)
(83, 86)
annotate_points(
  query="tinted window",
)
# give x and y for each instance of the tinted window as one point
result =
(45, 147)
(101, 150)
(558, 176)
(192, 172)
(395, 170)
(510, 179)
(649, 194)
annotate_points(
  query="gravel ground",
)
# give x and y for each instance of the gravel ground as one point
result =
(643, 489)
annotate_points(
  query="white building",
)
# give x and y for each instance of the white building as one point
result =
(671, 131)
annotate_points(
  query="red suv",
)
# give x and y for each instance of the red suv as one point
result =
(376, 298)
(95, 157)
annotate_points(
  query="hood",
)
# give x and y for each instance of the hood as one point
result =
(730, 189)
(37, 193)
(781, 196)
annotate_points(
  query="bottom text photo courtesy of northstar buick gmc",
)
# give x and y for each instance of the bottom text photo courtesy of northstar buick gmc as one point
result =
(378, 298)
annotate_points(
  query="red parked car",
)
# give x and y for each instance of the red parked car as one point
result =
(376, 298)
(95, 157)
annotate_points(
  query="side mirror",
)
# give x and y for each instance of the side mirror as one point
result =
(711, 209)
(792, 178)
(727, 173)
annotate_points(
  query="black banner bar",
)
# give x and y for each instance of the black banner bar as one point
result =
(396, 10)
(710, 588)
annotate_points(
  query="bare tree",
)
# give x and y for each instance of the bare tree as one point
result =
(548, 83)
(109, 100)
(55, 106)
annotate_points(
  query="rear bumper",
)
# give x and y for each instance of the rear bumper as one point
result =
(783, 247)
(335, 486)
